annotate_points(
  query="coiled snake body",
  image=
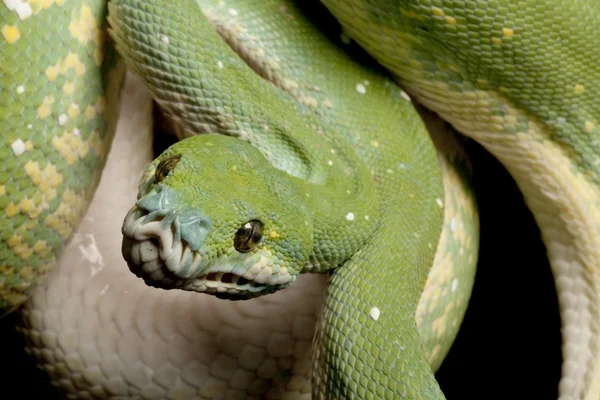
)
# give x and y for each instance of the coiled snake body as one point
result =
(356, 185)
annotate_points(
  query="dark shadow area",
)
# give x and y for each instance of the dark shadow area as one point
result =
(508, 346)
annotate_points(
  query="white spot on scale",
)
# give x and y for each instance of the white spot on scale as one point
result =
(76, 132)
(360, 88)
(164, 39)
(453, 225)
(233, 12)
(332, 151)
(405, 95)
(20, 89)
(366, 82)
(374, 313)
(389, 171)
(62, 119)
(220, 64)
(18, 147)
(439, 202)
(330, 162)
(30, 126)
(561, 120)
(454, 285)
(402, 166)
(366, 217)
(350, 216)
(22, 9)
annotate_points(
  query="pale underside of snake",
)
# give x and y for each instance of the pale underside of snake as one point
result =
(99, 332)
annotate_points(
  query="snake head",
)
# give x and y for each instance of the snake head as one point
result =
(214, 216)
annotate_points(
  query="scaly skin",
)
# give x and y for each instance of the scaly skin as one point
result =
(189, 358)
(61, 82)
(256, 31)
(521, 78)
(190, 191)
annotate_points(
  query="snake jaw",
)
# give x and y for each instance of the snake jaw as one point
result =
(231, 286)
(161, 248)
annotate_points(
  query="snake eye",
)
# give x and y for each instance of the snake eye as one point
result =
(248, 236)
(166, 166)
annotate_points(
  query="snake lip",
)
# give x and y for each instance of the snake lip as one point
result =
(223, 285)
(231, 286)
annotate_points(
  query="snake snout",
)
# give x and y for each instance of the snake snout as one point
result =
(156, 250)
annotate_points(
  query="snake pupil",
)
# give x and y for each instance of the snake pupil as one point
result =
(248, 236)
(166, 166)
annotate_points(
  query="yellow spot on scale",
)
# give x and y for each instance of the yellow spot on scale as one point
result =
(90, 113)
(73, 110)
(2, 190)
(411, 14)
(579, 89)
(374, 143)
(31, 169)
(11, 210)
(19, 247)
(71, 147)
(26, 273)
(11, 33)
(450, 20)
(507, 32)
(67, 215)
(51, 73)
(69, 88)
(437, 11)
(496, 41)
(84, 28)
(44, 109)
(41, 248)
(40, 5)
(589, 126)
(274, 235)
(71, 61)
(26, 205)
(98, 144)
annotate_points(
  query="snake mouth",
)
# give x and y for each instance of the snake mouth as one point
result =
(156, 252)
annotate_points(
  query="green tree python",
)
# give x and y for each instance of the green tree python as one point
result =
(327, 168)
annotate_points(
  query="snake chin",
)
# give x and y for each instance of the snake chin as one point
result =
(156, 253)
